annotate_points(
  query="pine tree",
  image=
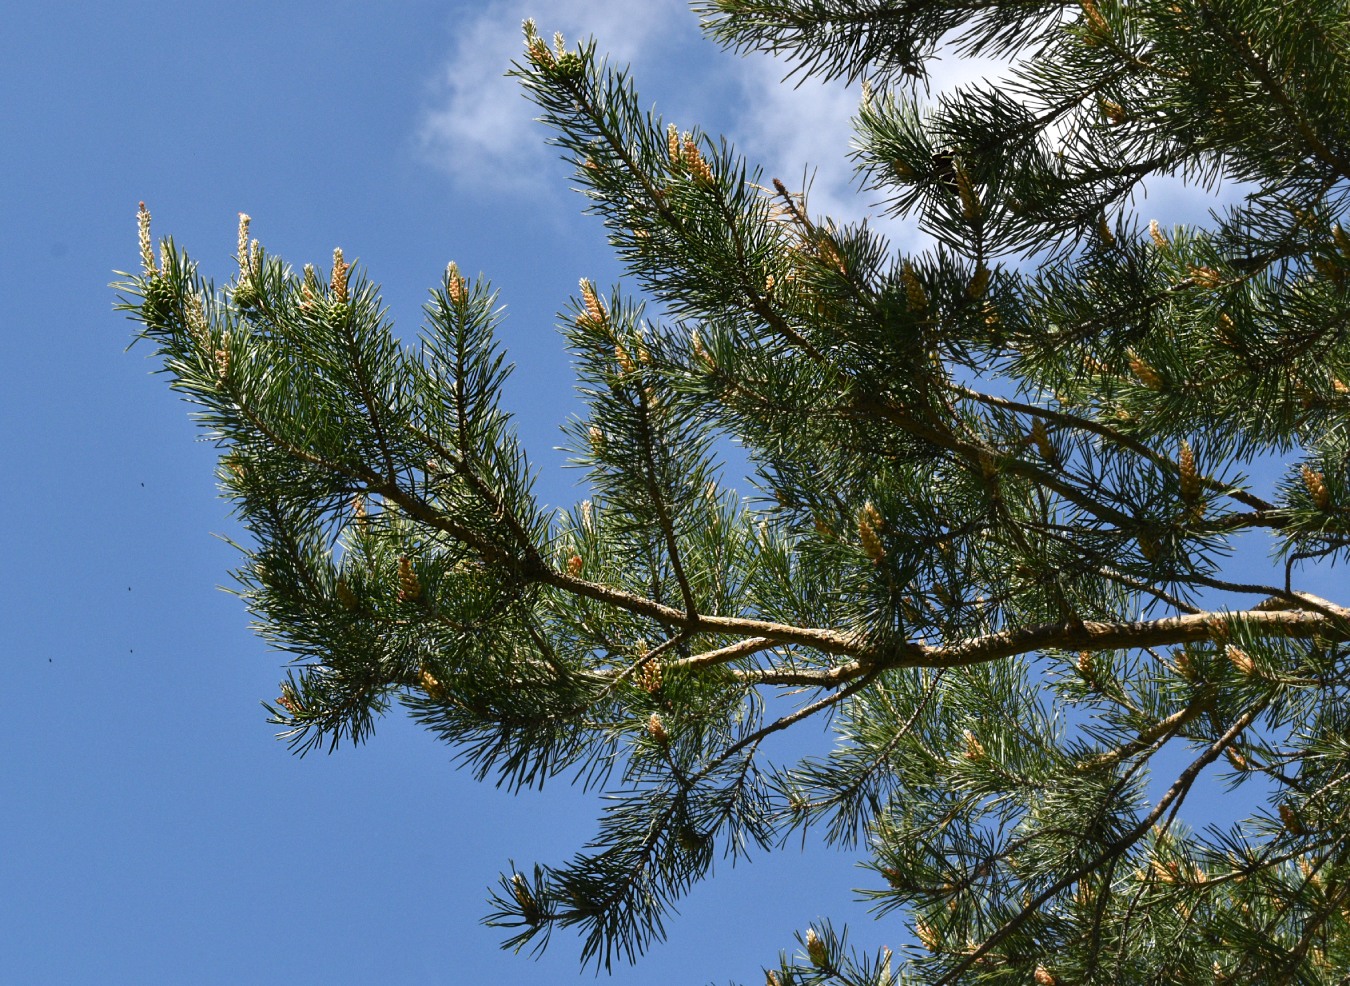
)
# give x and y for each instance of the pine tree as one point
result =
(999, 484)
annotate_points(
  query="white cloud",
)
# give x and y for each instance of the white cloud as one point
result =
(807, 127)
(481, 130)
(479, 127)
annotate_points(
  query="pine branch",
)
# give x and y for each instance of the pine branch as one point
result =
(1167, 803)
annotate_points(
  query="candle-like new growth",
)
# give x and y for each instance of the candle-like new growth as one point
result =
(1191, 482)
(594, 315)
(147, 248)
(241, 252)
(337, 284)
(915, 295)
(1316, 485)
(409, 586)
(454, 284)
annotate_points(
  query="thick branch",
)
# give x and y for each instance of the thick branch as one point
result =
(1091, 636)
(828, 641)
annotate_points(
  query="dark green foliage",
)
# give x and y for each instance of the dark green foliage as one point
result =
(1000, 485)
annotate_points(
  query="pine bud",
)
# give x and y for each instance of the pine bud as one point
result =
(988, 466)
(1329, 268)
(1097, 26)
(693, 160)
(195, 317)
(1226, 330)
(1341, 239)
(869, 523)
(654, 399)
(1315, 482)
(1041, 437)
(1292, 823)
(535, 46)
(700, 351)
(915, 296)
(970, 203)
(574, 565)
(828, 250)
(1190, 476)
(1113, 111)
(673, 145)
(657, 729)
(1305, 866)
(885, 974)
(1145, 373)
(338, 284)
(1043, 977)
(1107, 237)
(1239, 762)
(816, 950)
(237, 467)
(409, 588)
(288, 700)
(979, 283)
(649, 678)
(1087, 668)
(974, 748)
(529, 907)
(595, 437)
(1205, 277)
(927, 935)
(1149, 546)
(1163, 872)
(345, 595)
(454, 284)
(307, 295)
(1155, 231)
(241, 253)
(147, 246)
(595, 316)
(1186, 666)
(430, 684)
(1240, 660)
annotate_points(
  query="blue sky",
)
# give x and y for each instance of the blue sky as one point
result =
(152, 830)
